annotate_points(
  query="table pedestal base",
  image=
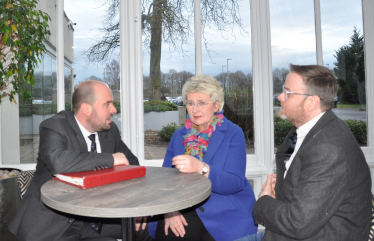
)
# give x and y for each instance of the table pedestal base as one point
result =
(128, 229)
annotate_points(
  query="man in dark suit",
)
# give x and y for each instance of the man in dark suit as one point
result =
(65, 147)
(322, 189)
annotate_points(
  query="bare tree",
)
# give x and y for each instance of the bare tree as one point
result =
(181, 78)
(112, 75)
(93, 77)
(279, 77)
(165, 21)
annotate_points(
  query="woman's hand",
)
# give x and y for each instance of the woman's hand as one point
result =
(140, 221)
(187, 164)
(176, 222)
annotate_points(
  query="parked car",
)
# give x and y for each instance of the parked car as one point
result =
(41, 102)
(174, 100)
(335, 102)
(178, 101)
(169, 98)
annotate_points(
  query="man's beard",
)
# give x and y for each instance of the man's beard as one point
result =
(101, 126)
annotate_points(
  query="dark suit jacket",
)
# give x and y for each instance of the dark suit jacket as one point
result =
(326, 194)
(62, 149)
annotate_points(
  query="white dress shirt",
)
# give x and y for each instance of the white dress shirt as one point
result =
(86, 134)
(302, 131)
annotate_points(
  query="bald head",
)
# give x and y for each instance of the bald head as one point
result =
(86, 93)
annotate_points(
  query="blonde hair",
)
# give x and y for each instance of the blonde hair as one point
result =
(204, 84)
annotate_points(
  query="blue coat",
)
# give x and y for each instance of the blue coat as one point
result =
(227, 214)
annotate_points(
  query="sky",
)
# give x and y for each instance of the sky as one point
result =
(292, 37)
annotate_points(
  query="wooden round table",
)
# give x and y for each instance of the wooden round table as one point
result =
(162, 190)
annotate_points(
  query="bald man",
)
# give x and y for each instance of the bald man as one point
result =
(65, 147)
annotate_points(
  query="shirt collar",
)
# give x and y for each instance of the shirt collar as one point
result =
(84, 131)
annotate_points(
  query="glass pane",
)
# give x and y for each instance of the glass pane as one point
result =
(227, 57)
(168, 62)
(292, 42)
(96, 46)
(42, 106)
(68, 84)
(343, 52)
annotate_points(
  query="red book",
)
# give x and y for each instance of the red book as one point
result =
(88, 179)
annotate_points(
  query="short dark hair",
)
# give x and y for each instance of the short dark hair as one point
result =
(85, 93)
(319, 81)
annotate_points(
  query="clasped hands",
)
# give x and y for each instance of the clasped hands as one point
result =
(268, 188)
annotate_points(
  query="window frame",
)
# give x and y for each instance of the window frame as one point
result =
(261, 162)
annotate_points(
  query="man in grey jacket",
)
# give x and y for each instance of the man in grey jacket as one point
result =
(322, 188)
(65, 146)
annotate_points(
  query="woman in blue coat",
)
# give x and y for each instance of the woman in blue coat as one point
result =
(212, 146)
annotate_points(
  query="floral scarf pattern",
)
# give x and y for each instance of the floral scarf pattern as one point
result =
(196, 144)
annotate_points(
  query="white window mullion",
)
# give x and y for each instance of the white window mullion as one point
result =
(261, 163)
(132, 124)
(318, 29)
(368, 20)
(198, 46)
(60, 56)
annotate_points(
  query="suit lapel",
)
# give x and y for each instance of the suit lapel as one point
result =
(78, 133)
(280, 157)
(283, 148)
(105, 143)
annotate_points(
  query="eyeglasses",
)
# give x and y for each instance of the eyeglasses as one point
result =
(286, 93)
(200, 104)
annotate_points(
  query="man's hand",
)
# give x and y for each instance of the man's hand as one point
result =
(120, 159)
(273, 182)
(267, 187)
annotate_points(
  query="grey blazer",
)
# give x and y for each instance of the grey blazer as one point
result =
(326, 194)
(62, 149)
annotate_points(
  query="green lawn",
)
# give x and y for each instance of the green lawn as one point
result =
(351, 106)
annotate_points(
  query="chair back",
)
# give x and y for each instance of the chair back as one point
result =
(371, 235)
(24, 180)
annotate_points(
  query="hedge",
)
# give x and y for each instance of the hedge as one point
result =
(43, 109)
(359, 130)
(357, 127)
(281, 128)
(167, 131)
(159, 106)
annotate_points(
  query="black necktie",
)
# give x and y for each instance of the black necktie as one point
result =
(291, 145)
(95, 226)
(93, 143)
